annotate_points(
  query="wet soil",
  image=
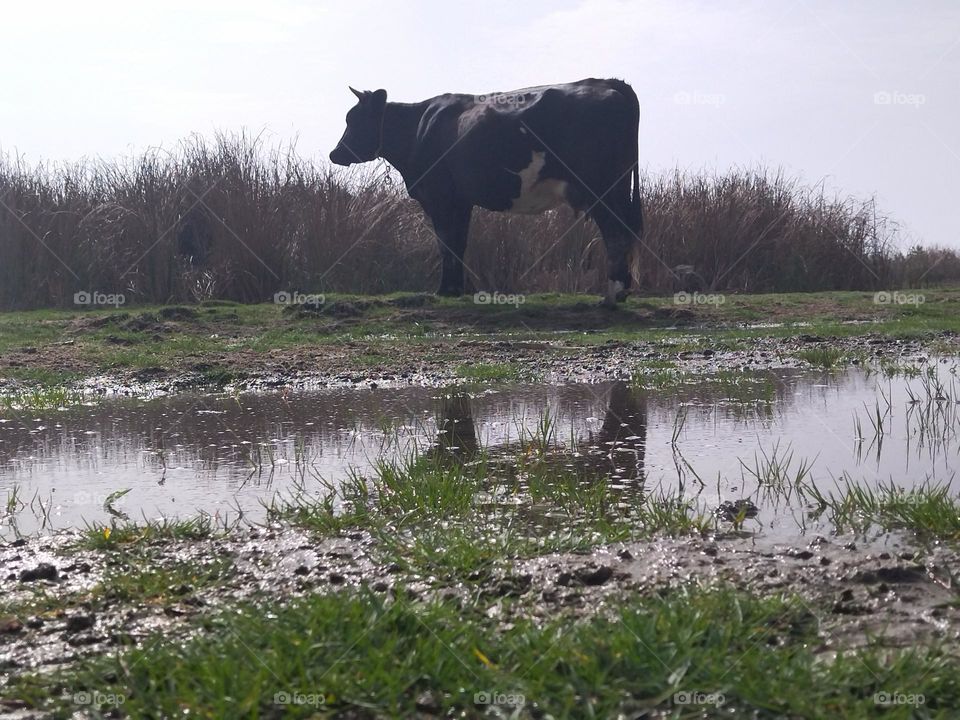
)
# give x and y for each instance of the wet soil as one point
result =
(853, 591)
(362, 363)
(431, 342)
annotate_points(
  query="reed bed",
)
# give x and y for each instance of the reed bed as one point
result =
(236, 218)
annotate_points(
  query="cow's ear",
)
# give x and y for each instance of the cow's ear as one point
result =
(379, 98)
(358, 93)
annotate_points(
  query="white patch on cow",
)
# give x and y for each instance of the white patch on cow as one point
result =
(537, 195)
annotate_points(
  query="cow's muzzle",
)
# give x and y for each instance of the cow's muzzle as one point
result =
(341, 156)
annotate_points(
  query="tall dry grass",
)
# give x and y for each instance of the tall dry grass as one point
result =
(234, 218)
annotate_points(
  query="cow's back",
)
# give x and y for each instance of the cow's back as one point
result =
(577, 134)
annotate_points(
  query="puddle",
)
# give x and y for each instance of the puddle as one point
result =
(184, 454)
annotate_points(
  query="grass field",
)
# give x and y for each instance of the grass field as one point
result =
(51, 347)
(509, 584)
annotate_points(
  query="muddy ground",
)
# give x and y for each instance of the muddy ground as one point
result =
(888, 587)
(884, 589)
(443, 362)
(416, 340)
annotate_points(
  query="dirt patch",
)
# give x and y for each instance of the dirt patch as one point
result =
(888, 591)
(856, 593)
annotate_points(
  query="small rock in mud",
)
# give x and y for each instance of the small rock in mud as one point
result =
(43, 571)
(897, 574)
(427, 703)
(148, 373)
(10, 624)
(733, 509)
(595, 577)
(514, 585)
(78, 623)
(585, 576)
(84, 639)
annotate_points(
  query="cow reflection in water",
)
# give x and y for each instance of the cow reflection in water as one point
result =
(456, 432)
(615, 450)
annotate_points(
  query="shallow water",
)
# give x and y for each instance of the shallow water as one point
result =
(184, 454)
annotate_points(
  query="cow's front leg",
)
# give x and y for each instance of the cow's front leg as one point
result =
(451, 225)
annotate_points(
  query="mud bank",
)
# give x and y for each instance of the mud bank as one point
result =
(439, 363)
(69, 609)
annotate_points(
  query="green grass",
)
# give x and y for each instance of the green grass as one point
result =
(129, 338)
(488, 372)
(729, 386)
(362, 655)
(823, 356)
(130, 534)
(930, 511)
(450, 519)
(136, 580)
(41, 398)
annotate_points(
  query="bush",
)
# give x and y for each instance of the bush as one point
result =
(235, 219)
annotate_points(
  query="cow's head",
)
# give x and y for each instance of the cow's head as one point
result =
(361, 140)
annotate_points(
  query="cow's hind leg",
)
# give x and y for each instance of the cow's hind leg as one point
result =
(451, 225)
(618, 240)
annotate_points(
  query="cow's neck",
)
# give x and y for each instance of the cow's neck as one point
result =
(400, 122)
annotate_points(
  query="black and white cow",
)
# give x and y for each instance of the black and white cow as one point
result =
(524, 151)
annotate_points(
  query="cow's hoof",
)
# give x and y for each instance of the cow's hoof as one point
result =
(616, 292)
(448, 292)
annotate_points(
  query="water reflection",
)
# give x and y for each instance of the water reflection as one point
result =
(613, 451)
(183, 454)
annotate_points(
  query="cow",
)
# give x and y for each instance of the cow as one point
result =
(524, 151)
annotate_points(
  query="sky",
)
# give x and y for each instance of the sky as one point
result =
(863, 96)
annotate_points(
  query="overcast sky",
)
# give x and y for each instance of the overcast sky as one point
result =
(865, 95)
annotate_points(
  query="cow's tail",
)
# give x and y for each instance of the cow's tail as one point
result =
(634, 213)
(636, 205)
(635, 209)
